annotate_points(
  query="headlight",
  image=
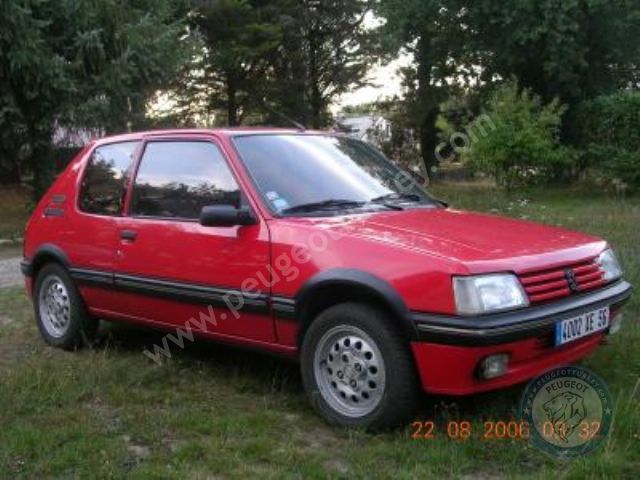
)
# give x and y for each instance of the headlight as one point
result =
(609, 265)
(488, 293)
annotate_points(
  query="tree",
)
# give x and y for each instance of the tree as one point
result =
(228, 72)
(435, 33)
(607, 131)
(569, 49)
(286, 56)
(82, 64)
(336, 50)
(523, 146)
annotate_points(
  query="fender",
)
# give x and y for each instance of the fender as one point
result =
(46, 251)
(346, 278)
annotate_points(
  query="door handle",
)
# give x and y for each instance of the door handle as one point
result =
(129, 235)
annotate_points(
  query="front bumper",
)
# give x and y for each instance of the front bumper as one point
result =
(449, 348)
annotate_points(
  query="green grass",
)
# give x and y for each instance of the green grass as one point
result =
(216, 412)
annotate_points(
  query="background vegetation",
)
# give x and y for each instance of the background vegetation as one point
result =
(130, 64)
(607, 129)
(522, 146)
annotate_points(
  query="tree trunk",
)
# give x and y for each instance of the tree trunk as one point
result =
(429, 106)
(232, 102)
(316, 107)
(429, 139)
(316, 95)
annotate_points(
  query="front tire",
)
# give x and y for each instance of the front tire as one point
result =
(357, 368)
(59, 310)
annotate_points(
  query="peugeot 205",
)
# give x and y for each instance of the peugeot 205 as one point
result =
(314, 246)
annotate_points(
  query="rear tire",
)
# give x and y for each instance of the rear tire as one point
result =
(60, 313)
(357, 369)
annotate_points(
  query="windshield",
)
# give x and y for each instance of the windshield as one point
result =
(299, 174)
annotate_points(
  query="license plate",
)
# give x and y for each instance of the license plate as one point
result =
(582, 325)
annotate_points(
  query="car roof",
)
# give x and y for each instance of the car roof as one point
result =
(226, 131)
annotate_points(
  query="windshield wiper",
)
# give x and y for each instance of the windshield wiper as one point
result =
(397, 196)
(333, 203)
(412, 197)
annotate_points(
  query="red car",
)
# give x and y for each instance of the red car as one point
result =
(314, 246)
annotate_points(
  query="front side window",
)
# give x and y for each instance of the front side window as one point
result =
(105, 179)
(301, 174)
(177, 179)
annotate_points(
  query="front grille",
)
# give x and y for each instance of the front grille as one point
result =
(552, 284)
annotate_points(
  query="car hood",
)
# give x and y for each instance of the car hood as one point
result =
(481, 241)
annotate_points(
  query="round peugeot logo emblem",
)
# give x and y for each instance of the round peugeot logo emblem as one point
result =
(569, 411)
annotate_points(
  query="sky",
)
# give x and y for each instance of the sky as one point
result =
(385, 83)
(384, 78)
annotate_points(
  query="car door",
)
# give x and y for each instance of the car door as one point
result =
(172, 270)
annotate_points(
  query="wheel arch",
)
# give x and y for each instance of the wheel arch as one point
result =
(342, 285)
(46, 253)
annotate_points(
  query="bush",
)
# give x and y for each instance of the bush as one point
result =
(608, 131)
(522, 146)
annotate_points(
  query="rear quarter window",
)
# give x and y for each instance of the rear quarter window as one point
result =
(105, 178)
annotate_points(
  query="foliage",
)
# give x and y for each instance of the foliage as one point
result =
(251, 61)
(571, 50)
(79, 63)
(400, 146)
(566, 49)
(227, 72)
(338, 50)
(608, 131)
(269, 61)
(524, 147)
(434, 33)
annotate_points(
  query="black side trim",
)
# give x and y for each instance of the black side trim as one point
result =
(192, 293)
(185, 292)
(92, 277)
(516, 325)
(284, 308)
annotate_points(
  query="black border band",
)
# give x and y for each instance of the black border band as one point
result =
(284, 308)
(516, 325)
(182, 291)
(193, 293)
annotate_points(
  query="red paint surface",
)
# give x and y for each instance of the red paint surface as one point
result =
(451, 370)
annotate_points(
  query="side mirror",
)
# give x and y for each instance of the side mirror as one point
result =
(226, 216)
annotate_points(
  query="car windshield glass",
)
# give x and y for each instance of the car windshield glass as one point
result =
(299, 174)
